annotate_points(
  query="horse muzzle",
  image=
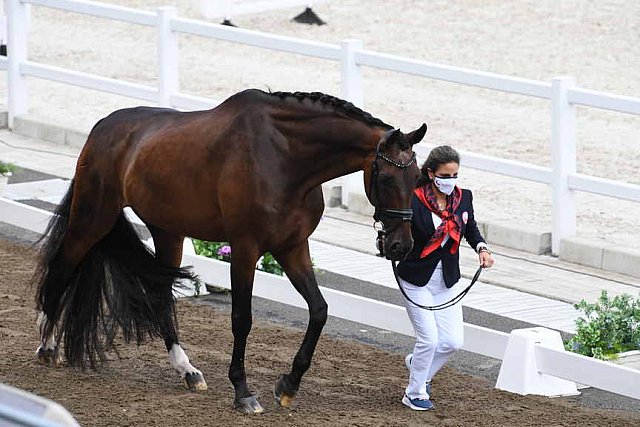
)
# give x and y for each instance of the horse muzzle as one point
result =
(394, 250)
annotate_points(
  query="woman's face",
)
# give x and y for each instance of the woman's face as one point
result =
(445, 170)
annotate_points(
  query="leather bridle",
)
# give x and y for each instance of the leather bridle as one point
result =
(381, 214)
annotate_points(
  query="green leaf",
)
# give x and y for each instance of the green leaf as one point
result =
(606, 327)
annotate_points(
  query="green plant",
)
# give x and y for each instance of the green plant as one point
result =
(7, 168)
(222, 251)
(269, 264)
(216, 250)
(607, 327)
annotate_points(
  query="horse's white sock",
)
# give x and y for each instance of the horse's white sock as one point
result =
(46, 343)
(180, 361)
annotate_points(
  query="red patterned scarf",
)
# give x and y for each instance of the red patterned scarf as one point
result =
(451, 224)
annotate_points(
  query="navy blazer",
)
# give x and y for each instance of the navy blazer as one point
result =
(418, 271)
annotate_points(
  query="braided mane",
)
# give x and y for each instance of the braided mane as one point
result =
(337, 104)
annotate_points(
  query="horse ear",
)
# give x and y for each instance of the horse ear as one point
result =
(392, 137)
(417, 135)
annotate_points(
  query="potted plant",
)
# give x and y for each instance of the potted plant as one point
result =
(6, 170)
(609, 329)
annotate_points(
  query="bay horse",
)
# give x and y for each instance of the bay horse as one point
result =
(248, 172)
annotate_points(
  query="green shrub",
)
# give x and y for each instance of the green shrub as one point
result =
(607, 327)
(215, 250)
(269, 264)
(222, 252)
(7, 168)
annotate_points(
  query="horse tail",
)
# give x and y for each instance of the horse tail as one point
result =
(119, 284)
(47, 273)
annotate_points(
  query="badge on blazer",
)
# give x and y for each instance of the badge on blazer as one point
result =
(465, 216)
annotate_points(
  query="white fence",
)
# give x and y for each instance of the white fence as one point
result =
(562, 93)
(559, 363)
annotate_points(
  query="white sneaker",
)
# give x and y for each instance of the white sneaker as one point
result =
(407, 363)
(418, 404)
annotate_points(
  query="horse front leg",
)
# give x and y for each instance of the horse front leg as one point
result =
(296, 262)
(243, 264)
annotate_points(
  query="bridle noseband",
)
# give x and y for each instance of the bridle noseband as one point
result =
(381, 214)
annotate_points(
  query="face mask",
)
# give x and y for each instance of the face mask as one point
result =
(445, 185)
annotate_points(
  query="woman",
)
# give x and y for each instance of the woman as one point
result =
(442, 215)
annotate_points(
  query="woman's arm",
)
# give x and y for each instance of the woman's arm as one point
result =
(474, 238)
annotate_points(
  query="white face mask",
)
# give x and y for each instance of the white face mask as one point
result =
(445, 185)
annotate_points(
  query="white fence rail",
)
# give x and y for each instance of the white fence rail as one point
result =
(562, 93)
(379, 314)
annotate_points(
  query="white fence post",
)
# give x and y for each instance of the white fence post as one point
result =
(168, 74)
(351, 90)
(351, 74)
(563, 162)
(17, 30)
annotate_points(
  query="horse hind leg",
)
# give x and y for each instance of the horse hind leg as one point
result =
(80, 222)
(46, 351)
(168, 248)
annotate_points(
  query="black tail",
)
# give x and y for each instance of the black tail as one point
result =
(118, 285)
(48, 272)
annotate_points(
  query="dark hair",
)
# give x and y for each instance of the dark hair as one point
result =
(440, 155)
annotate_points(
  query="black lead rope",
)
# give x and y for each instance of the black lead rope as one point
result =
(444, 305)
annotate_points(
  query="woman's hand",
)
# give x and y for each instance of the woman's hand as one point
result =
(486, 259)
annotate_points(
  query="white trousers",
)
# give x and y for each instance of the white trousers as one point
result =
(439, 334)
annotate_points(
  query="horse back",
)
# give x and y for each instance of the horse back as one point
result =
(184, 171)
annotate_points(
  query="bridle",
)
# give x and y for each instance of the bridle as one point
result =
(382, 214)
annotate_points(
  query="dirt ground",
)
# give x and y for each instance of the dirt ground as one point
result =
(348, 384)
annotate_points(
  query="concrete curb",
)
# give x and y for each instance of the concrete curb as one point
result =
(601, 255)
(31, 127)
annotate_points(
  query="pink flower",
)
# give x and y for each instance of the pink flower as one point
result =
(224, 250)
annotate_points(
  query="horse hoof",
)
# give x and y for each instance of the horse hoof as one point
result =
(48, 357)
(248, 405)
(195, 381)
(283, 398)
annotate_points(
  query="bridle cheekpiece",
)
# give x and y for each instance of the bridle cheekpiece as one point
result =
(381, 214)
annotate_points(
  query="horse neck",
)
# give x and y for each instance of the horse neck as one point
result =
(336, 148)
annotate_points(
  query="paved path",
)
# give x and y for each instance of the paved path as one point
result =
(530, 288)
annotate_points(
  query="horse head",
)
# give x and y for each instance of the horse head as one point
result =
(389, 182)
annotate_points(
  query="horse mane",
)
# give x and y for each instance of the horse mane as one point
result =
(340, 105)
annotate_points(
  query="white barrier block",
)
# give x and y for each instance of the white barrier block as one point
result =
(519, 371)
